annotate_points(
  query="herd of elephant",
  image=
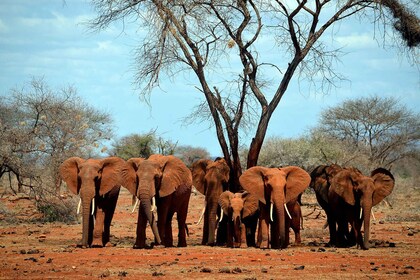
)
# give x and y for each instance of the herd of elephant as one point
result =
(269, 200)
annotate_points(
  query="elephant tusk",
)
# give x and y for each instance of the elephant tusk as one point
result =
(78, 206)
(221, 214)
(361, 212)
(373, 215)
(93, 206)
(135, 205)
(201, 216)
(271, 212)
(287, 211)
(153, 204)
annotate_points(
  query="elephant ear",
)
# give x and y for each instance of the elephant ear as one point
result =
(129, 175)
(297, 180)
(251, 204)
(223, 169)
(112, 169)
(68, 172)
(252, 180)
(174, 174)
(343, 184)
(224, 201)
(135, 162)
(384, 184)
(198, 170)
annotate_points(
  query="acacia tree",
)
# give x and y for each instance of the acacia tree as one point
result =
(381, 128)
(40, 127)
(224, 43)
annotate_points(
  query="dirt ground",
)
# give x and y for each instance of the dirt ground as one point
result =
(48, 251)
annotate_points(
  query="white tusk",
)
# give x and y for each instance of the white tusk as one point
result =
(271, 212)
(361, 212)
(78, 206)
(93, 206)
(221, 214)
(373, 215)
(201, 216)
(287, 211)
(135, 205)
(153, 204)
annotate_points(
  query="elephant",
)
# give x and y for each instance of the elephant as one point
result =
(163, 185)
(321, 178)
(98, 182)
(211, 178)
(274, 187)
(242, 211)
(352, 196)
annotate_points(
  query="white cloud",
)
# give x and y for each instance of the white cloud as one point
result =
(357, 41)
(3, 27)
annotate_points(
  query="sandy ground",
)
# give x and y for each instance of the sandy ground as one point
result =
(48, 251)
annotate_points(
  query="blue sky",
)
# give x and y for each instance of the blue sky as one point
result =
(47, 38)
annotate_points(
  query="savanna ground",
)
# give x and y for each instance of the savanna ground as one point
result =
(33, 250)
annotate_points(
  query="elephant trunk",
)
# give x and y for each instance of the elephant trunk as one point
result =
(146, 207)
(237, 234)
(212, 218)
(367, 208)
(279, 238)
(87, 223)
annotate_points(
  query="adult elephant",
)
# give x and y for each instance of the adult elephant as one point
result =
(352, 196)
(274, 187)
(164, 182)
(98, 182)
(242, 211)
(321, 178)
(211, 178)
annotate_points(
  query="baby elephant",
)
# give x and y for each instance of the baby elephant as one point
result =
(241, 210)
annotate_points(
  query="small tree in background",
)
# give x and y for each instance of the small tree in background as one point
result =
(40, 127)
(189, 154)
(142, 145)
(381, 129)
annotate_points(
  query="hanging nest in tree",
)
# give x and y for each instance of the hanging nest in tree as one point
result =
(407, 23)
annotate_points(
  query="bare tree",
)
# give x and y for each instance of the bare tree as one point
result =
(381, 128)
(226, 44)
(40, 127)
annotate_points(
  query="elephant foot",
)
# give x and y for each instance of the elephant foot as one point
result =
(96, 246)
(135, 246)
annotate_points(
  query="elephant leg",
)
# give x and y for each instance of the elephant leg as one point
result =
(332, 228)
(244, 244)
(251, 228)
(221, 232)
(263, 234)
(140, 231)
(109, 214)
(169, 240)
(295, 223)
(342, 232)
(163, 217)
(356, 229)
(181, 216)
(98, 228)
(230, 233)
(288, 225)
(205, 228)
